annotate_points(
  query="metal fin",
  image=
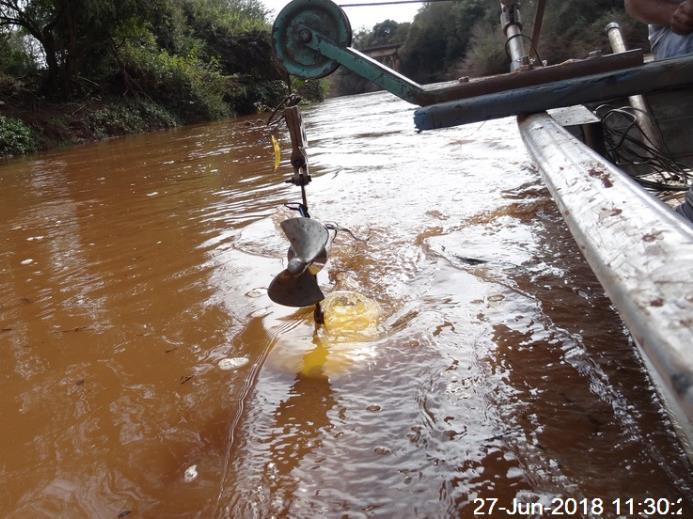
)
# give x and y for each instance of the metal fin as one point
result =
(308, 237)
(290, 290)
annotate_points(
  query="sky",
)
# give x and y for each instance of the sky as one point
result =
(361, 17)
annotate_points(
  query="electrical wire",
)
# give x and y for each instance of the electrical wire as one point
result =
(290, 100)
(532, 47)
(628, 145)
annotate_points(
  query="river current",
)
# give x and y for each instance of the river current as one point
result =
(130, 268)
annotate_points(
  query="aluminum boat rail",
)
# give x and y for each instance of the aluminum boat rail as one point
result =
(639, 249)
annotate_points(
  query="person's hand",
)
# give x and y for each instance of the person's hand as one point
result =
(682, 19)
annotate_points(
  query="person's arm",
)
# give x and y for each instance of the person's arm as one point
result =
(670, 13)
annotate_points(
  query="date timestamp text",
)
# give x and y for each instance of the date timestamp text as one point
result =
(570, 506)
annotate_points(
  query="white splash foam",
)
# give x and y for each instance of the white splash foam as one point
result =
(190, 474)
(230, 363)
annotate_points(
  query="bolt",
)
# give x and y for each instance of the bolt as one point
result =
(304, 35)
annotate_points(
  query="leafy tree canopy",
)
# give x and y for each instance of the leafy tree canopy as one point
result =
(199, 58)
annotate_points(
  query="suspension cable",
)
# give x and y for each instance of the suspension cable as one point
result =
(393, 2)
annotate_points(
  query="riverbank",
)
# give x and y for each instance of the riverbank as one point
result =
(34, 123)
(39, 124)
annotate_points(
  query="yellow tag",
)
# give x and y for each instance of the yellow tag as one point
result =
(277, 153)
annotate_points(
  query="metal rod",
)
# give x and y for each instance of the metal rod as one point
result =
(536, 76)
(304, 198)
(318, 315)
(643, 114)
(536, 26)
(638, 248)
(516, 47)
(512, 27)
(365, 66)
(657, 75)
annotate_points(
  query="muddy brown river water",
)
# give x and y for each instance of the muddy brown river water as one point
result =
(130, 268)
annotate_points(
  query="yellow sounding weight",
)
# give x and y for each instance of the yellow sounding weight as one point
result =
(351, 321)
(350, 316)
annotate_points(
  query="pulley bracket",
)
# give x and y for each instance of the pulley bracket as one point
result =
(288, 36)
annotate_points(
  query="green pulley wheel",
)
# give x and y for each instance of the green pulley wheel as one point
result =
(322, 16)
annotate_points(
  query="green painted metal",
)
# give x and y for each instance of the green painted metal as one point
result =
(365, 67)
(288, 35)
(311, 38)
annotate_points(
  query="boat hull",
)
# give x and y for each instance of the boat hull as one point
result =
(640, 250)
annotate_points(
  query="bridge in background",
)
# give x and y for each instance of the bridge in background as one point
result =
(385, 54)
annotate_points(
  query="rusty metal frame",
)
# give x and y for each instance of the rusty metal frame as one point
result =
(658, 75)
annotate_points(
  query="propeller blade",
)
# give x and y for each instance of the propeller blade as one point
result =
(290, 290)
(308, 238)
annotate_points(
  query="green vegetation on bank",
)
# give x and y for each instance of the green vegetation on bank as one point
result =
(463, 38)
(78, 70)
(15, 137)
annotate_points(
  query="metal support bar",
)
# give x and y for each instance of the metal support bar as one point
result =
(512, 27)
(618, 45)
(536, 76)
(658, 75)
(365, 66)
(640, 250)
(299, 156)
(536, 26)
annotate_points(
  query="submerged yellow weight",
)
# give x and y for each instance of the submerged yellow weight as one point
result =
(350, 316)
(344, 343)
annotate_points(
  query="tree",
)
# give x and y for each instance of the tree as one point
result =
(39, 19)
(69, 32)
(440, 35)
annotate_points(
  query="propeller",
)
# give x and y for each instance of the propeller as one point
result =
(297, 285)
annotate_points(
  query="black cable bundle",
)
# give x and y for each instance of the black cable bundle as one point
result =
(630, 146)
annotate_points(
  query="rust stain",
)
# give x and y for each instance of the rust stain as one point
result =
(657, 302)
(602, 175)
(650, 237)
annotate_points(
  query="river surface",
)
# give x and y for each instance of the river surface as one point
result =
(130, 268)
